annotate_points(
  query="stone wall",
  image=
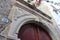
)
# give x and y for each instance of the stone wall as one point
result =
(5, 6)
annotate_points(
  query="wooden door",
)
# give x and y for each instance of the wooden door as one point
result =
(33, 32)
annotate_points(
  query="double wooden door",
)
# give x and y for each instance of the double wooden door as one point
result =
(33, 32)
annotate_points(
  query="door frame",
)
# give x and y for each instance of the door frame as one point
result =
(49, 27)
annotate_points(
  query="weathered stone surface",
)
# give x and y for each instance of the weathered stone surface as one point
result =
(2, 38)
(5, 6)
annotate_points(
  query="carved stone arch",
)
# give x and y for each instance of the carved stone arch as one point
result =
(36, 23)
(26, 19)
(47, 26)
(18, 23)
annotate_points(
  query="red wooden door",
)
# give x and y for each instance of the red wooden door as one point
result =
(33, 32)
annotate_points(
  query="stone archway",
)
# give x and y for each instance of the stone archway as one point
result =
(32, 31)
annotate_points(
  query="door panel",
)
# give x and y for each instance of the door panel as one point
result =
(33, 32)
(44, 35)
